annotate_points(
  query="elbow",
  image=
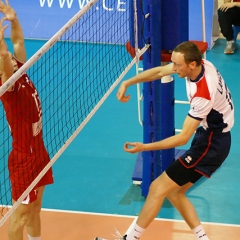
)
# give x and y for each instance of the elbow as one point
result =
(183, 139)
(4, 53)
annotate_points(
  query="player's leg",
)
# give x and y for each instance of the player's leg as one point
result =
(18, 220)
(34, 222)
(184, 206)
(158, 191)
(186, 209)
(226, 20)
(185, 178)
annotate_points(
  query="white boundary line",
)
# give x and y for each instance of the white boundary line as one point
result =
(135, 217)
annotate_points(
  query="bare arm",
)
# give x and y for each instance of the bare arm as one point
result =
(6, 67)
(189, 127)
(17, 37)
(146, 76)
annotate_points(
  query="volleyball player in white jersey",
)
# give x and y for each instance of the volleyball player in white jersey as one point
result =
(210, 118)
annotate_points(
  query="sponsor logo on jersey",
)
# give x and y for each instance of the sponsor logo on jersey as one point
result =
(188, 159)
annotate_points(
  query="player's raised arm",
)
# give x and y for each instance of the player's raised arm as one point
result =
(17, 37)
(6, 68)
(146, 76)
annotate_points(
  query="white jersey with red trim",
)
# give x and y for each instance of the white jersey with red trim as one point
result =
(210, 99)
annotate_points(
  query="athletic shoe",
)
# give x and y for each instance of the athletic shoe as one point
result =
(117, 236)
(121, 238)
(230, 48)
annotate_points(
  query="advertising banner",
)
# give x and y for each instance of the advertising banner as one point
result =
(41, 19)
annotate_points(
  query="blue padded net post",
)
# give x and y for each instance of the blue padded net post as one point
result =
(167, 125)
(151, 93)
(165, 25)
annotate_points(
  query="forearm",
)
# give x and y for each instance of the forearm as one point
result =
(146, 76)
(16, 32)
(189, 127)
(4, 56)
(3, 48)
(6, 67)
(17, 39)
(150, 75)
(167, 143)
(227, 1)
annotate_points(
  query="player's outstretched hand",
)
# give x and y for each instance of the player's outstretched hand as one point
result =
(121, 93)
(133, 147)
(8, 11)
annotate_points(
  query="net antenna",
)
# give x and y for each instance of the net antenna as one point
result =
(75, 71)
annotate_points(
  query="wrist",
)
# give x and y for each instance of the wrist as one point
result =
(126, 84)
(14, 19)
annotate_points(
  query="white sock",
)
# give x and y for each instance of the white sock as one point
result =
(33, 238)
(135, 233)
(200, 233)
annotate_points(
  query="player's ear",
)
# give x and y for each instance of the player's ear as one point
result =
(193, 65)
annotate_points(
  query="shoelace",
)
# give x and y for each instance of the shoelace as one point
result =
(118, 235)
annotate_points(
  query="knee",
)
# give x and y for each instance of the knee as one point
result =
(156, 190)
(18, 222)
(175, 196)
(36, 207)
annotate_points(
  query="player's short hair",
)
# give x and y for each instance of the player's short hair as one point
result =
(190, 51)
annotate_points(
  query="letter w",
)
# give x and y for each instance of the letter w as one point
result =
(62, 2)
(49, 2)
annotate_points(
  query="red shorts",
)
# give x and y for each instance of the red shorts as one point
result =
(23, 169)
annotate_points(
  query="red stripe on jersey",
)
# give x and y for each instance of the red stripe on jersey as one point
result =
(202, 89)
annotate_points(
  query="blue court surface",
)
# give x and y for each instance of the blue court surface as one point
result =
(94, 173)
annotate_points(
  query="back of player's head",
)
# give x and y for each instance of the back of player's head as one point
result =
(190, 51)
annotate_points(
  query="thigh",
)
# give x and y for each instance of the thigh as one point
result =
(182, 175)
(162, 186)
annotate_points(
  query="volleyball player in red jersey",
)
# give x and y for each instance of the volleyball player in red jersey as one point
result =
(24, 115)
(228, 15)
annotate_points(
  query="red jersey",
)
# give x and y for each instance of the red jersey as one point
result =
(24, 115)
(29, 155)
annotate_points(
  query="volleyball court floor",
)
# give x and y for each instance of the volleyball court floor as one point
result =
(93, 191)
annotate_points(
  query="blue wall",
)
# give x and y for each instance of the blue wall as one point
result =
(41, 19)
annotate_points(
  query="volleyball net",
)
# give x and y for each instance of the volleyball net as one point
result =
(74, 72)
